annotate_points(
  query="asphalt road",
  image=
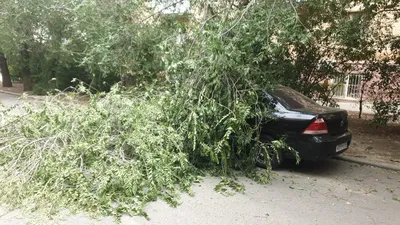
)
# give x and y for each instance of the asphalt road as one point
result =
(327, 192)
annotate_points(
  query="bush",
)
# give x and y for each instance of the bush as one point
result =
(386, 112)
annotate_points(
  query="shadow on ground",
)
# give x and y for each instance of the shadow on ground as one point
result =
(329, 167)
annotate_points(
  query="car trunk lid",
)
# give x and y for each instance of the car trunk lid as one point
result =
(335, 119)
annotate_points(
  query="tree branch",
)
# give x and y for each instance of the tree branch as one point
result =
(240, 18)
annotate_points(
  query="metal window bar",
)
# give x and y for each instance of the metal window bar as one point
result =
(354, 86)
(341, 86)
(349, 86)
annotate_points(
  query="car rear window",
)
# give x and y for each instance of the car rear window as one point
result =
(292, 99)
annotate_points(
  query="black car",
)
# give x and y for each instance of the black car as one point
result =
(316, 132)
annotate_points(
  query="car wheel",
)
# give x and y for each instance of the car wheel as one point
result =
(275, 156)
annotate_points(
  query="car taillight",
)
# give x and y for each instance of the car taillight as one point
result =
(317, 127)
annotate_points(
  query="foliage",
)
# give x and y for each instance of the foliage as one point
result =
(228, 187)
(216, 83)
(96, 41)
(124, 150)
(39, 28)
(329, 43)
(108, 157)
(117, 44)
(386, 111)
(385, 91)
(337, 43)
(104, 42)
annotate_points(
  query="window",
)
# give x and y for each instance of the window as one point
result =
(293, 99)
(349, 86)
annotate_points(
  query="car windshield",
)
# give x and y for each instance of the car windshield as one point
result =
(293, 99)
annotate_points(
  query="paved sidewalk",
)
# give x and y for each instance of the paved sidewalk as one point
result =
(17, 88)
(355, 107)
(8, 100)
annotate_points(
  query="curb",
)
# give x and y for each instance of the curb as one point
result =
(368, 163)
(32, 97)
(10, 93)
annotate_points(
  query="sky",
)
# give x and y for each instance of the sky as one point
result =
(167, 6)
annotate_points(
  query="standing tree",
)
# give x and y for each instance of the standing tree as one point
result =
(20, 31)
(25, 68)
(5, 73)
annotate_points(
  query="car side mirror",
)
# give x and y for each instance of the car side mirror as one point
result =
(270, 102)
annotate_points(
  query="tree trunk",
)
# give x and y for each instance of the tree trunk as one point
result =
(360, 108)
(26, 72)
(361, 100)
(26, 79)
(5, 73)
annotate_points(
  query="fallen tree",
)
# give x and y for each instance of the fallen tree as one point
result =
(125, 149)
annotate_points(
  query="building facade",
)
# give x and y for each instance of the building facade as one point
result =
(350, 86)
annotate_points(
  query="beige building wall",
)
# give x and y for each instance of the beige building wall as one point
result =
(396, 27)
(389, 18)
